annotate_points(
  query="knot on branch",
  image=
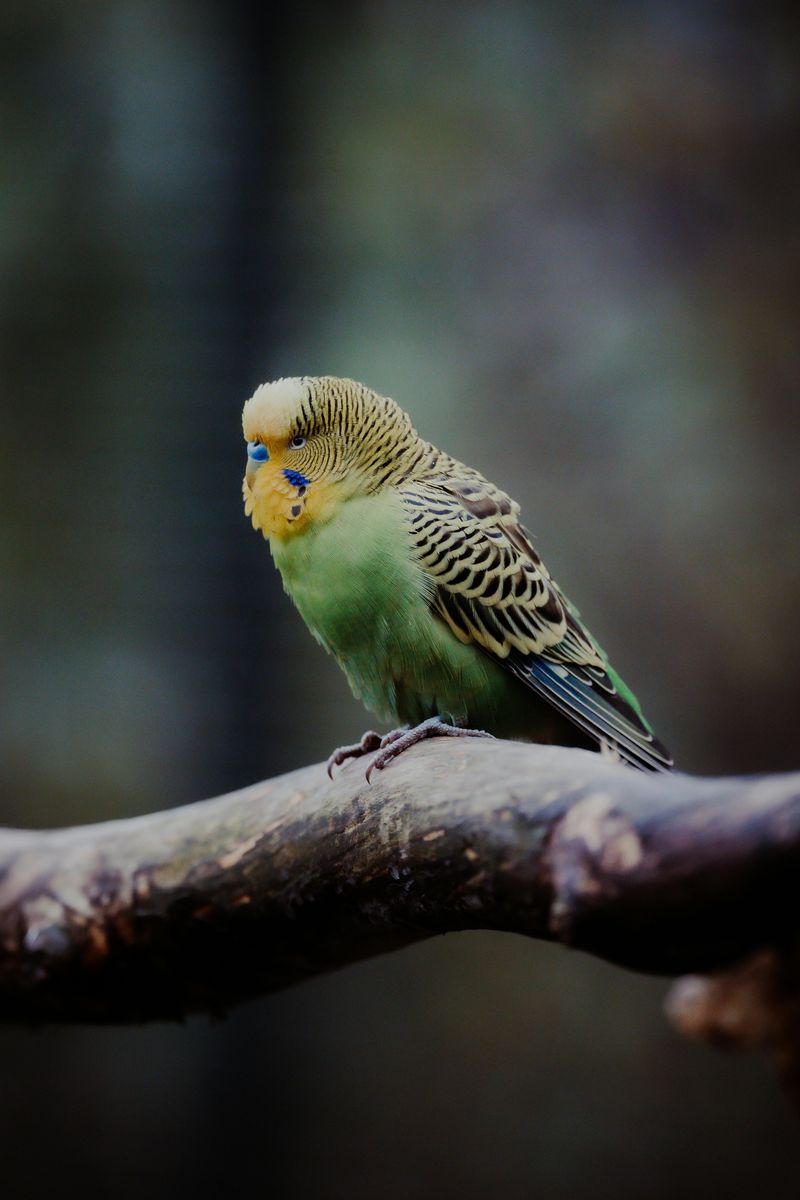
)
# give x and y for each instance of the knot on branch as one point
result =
(592, 847)
(754, 1005)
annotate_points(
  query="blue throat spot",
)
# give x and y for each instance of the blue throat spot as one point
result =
(296, 478)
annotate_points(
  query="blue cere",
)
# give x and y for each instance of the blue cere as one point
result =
(296, 478)
(257, 452)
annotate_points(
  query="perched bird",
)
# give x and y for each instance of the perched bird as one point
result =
(415, 573)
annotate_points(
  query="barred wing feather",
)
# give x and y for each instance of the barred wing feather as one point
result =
(491, 588)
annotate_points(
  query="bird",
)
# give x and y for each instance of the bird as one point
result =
(417, 575)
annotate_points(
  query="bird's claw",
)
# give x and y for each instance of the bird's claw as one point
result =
(369, 741)
(392, 744)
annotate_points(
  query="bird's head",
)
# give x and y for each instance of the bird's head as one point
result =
(313, 443)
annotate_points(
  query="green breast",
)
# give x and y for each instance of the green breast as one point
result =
(362, 596)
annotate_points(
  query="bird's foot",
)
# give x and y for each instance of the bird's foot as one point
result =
(369, 741)
(394, 743)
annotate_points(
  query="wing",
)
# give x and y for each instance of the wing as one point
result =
(492, 588)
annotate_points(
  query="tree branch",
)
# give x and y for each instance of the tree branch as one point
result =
(199, 907)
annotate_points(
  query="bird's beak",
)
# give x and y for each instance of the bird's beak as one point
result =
(257, 455)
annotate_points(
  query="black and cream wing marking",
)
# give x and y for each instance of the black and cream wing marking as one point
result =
(491, 587)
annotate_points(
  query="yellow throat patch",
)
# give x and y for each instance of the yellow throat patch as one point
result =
(280, 509)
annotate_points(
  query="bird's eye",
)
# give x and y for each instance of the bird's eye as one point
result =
(297, 442)
(257, 451)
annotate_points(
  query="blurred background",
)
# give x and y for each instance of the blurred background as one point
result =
(566, 238)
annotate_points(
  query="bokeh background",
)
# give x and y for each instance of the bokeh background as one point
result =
(566, 237)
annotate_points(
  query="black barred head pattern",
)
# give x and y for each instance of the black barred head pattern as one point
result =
(347, 427)
(347, 408)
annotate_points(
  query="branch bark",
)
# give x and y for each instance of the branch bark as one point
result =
(199, 907)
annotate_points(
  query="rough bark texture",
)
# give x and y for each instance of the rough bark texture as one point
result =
(199, 907)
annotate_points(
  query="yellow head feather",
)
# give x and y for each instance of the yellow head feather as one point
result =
(273, 408)
(350, 440)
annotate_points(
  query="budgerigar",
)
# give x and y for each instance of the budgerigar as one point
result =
(415, 573)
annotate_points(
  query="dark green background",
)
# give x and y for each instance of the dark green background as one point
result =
(565, 237)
